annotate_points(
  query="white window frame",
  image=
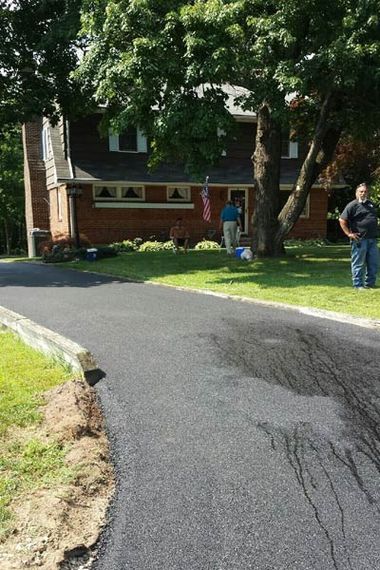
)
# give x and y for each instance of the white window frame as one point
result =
(46, 143)
(292, 150)
(119, 193)
(222, 133)
(170, 189)
(141, 143)
(59, 205)
(139, 187)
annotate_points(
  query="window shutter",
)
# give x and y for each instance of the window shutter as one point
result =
(222, 133)
(113, 142)
(293, 149)
(142, 145)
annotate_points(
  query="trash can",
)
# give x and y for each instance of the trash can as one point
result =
(239, 251)
(35, 238)
(91, 254)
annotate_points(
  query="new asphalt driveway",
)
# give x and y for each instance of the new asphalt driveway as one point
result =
(244, 437)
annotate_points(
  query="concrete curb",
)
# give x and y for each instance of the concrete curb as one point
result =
(53, 344)
(318, 313)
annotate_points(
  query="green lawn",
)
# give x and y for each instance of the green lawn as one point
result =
(25, 462)
(310, 276)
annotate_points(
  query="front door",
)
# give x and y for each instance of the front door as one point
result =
(239, 197)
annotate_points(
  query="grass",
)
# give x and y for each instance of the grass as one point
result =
(310, 276)
(25, 463)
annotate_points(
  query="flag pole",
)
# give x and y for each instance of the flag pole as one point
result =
(206, 214)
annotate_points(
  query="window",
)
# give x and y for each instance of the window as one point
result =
(46, 143)
(178, 193)
(289, 149)
(284, 195)
(222, 134)
(120, 193)
(105, 192)
(59, 205)
(135, 193)
(130, 140)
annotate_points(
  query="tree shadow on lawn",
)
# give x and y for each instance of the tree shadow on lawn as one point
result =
(267, 275)
(320, 266)
(327, 266)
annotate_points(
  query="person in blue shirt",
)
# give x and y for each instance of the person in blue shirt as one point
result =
(359, 222)
(229, 224)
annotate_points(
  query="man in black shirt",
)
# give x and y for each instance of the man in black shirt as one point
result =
(359, 222)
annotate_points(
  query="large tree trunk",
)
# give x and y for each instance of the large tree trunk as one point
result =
(266, 161)
(320, 153)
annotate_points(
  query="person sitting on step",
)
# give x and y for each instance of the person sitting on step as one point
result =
(179, 235)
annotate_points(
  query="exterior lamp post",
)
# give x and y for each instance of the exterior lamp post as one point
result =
(73, 192)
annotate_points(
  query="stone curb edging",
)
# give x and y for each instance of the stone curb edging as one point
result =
(53, 344)
(318, 313)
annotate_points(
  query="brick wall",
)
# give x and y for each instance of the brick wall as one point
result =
(59, 214)
(316, 225)
(106, 225)
(36, 195)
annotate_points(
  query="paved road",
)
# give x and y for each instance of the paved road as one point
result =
(243, 437)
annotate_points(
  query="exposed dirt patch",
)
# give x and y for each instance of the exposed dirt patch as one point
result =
(53, 526)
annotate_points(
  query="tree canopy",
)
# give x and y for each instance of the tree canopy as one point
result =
(311, 66)
(11, 191)
(38, 50)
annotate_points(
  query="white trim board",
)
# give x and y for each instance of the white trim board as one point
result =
(145, 205)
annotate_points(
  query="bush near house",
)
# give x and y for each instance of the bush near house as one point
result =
(63, 248)
(63, 241)
(138, 244)
(207, 244)
(156, 246)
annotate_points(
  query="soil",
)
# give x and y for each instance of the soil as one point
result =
(57, 528)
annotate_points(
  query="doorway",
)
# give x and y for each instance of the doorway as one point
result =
(239, 197)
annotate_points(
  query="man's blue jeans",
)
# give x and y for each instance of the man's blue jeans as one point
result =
(364, 262)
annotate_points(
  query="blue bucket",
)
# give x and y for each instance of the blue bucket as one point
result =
(239, 251)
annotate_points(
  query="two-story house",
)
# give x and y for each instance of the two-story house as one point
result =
(120, 198)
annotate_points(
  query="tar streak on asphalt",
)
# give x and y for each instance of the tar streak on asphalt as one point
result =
(322, 417)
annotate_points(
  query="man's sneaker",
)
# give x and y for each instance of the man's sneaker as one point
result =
(359, 288)
(369, 286)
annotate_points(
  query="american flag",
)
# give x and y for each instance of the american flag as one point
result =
(206, 202)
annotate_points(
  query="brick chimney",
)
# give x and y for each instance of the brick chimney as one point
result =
(36, 193)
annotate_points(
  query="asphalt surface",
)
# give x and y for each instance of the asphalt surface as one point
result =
(244, 437)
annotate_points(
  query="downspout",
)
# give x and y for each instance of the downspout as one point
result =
(71, 172)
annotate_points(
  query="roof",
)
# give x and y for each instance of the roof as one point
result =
(91, 160)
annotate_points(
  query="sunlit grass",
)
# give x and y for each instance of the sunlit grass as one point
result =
(24, 375)
(25, 463)
(309, 276)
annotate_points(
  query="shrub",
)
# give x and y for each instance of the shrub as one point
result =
(138, 241)
(207, 244)
(62, 241)
(124, 246)
(105, 251)
(153, 246)
(59, 254)
(167, 245)
(306, 242)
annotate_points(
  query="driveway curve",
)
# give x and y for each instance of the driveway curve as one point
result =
(243, 437)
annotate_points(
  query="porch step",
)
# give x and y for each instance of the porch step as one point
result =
(245, 241)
